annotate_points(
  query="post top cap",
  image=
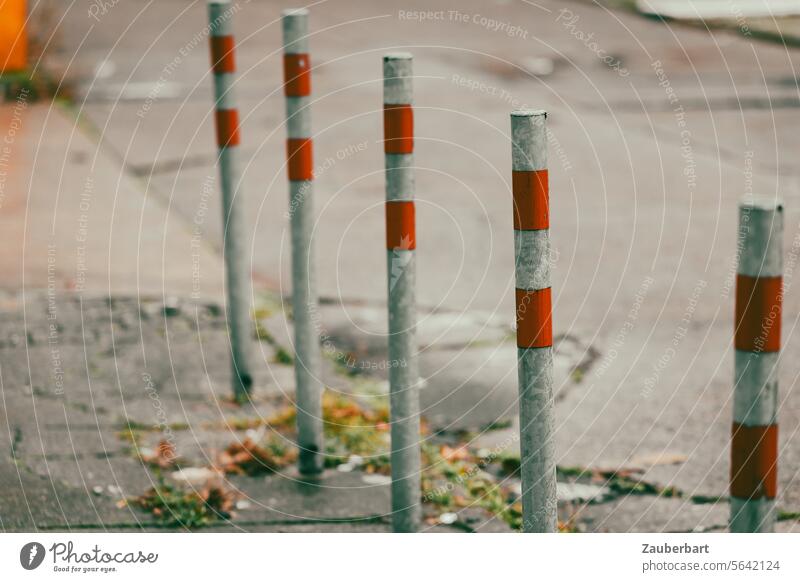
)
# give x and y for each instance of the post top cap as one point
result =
(529, 113)
(398, 56)
(294, 12)
(761, 202)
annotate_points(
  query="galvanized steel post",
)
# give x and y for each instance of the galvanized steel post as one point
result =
(754, 435)
(235, 246)
(299, 148)
(534, 319)
(398, 129)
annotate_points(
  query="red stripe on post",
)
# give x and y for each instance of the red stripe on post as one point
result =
(227, 123)
(300, 159)
(531, 200)
(534, 319)
(401, 225)
(297, 75)
(754, 461)
(398, 129)
(222, 59)
(758, 313)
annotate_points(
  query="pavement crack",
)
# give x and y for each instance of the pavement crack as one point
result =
(15, 443)
(172, 166)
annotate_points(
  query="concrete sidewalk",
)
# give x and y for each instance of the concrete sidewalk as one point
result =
(132, 362)
(643, 231)
(111, 318)
(92, 380)
(75, 220)
(102, 288)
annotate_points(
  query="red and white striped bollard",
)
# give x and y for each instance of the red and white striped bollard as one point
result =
(398, 130)
(534, 319)
(299, 150)
(754, 435)
(235, 247)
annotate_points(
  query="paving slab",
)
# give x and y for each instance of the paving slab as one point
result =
(636, 513)
(97, 231)
(31, 502)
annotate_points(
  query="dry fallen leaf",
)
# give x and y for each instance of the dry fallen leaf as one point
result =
(451, 454)
(164, 456)
(249, 458)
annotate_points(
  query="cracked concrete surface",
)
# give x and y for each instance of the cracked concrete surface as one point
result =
(643, 235)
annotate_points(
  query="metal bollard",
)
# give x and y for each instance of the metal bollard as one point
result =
(398, 129)
(754, 435)
(299, 148)
(534, 320)
(235, 244)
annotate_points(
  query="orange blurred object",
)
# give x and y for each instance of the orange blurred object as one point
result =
(13, 36)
